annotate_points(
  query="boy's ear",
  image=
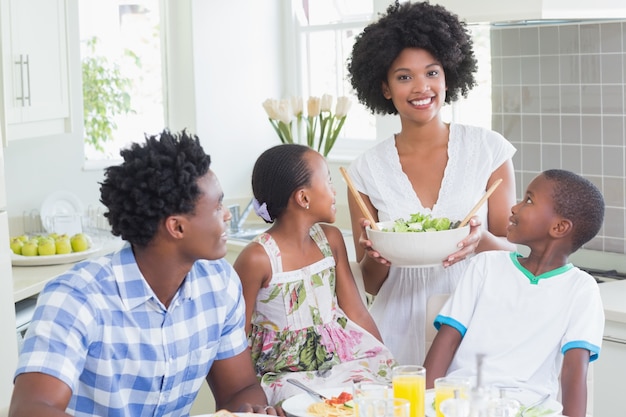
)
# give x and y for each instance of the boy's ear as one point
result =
(562, 228)
(174, 225)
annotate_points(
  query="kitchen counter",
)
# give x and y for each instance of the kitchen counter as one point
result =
(614, 300)
(30, 280)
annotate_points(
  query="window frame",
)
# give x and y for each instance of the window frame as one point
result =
(346, 148)
(92, 163)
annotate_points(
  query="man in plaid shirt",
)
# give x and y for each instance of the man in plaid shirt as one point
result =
(135, 332)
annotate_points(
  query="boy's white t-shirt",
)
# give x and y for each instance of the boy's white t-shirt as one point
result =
(522, 323)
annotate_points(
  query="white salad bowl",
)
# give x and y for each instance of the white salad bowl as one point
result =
(415, 249)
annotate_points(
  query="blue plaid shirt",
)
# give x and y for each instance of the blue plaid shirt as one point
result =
(100, 329)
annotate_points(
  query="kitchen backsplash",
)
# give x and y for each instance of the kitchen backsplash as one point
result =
(558, 94)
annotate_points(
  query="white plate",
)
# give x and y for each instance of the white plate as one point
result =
(297, 405)
(523, 396)
(19, 260)
(59, 203)
(237, 414)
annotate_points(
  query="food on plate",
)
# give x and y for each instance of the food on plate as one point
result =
(46, 246)
(50, 244)
(536, 412)
(63, 244)
(80, 242)
(339, 406)
(23, 238)
(419, 222)
(223, 413)
(16, 245)
(30, 248)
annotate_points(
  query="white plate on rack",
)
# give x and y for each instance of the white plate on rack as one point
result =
(19, 260)
(60, 203)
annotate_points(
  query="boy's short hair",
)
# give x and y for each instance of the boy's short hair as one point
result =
(579, 200)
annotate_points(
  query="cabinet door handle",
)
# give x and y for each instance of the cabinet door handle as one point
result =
(27, 78)
(614, 340)
(21, 64)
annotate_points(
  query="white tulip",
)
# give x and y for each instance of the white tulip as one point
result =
(285, 114)
(313, 107)
(296, 106)
(327, 102)
(271, 108)
(343, 107)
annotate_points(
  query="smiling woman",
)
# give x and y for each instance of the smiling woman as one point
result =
(332, 25)
(122, 73)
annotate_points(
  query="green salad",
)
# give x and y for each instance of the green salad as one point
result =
(419, 222)
(536, 412)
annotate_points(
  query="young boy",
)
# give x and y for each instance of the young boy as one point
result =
(532, 317)
(135, 332)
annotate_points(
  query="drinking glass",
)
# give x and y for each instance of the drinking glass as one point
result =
(372, 389)
(382, 407)
(409, 382)
(445, 387)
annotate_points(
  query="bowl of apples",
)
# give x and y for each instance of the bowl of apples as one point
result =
(50, 249)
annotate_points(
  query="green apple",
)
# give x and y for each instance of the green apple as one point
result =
(30, 248)
(23, 238)
(80, 242)
(63, 244)
(16, 246)
(46, 246)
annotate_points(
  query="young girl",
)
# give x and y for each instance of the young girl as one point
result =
(304, 315)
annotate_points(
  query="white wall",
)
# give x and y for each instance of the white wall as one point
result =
(236, 65)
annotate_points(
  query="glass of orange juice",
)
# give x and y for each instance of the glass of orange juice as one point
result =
(409, 382)
(445, 387)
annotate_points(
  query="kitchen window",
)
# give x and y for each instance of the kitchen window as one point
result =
(122, 74)
(325, 31)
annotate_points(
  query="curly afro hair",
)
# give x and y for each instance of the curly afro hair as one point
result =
(411, 25)
(157, 179)
(579, 200)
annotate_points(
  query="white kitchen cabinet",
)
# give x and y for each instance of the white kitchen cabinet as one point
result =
(610, 372)
(35, 78)
(8, 343)
(502, 11)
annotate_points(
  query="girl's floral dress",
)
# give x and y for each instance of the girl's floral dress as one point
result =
(299, 331)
